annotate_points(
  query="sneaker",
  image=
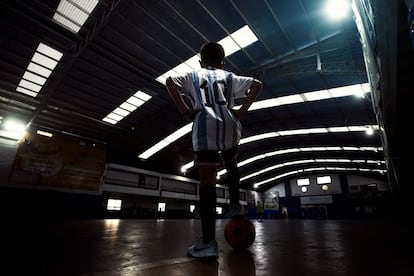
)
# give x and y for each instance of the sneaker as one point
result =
(203, 250)
(236, 210)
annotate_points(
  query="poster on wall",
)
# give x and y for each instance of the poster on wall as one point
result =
(58, 162)
(271, 201)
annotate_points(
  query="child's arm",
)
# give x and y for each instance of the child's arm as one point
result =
(254, 89)
(174, 91)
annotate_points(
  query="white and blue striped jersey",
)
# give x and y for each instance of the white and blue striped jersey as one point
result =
(213, 91)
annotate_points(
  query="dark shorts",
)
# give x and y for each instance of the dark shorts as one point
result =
(212, 157)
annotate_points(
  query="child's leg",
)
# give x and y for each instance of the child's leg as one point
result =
(233, 181)
(233, 175)
(208, 201)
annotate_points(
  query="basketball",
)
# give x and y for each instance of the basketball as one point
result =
(240, 233)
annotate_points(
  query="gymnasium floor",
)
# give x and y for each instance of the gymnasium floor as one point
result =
(157, 247)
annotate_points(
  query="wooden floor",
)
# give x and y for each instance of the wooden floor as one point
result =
(158, 247)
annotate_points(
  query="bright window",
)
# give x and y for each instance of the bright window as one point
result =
(219, 210)
(161, 206)
(114, 204)
(323, 179)
(303, 181)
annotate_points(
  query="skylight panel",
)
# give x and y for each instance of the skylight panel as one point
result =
(49, 51)
(143, 96)
(114, 116)
(121, 111)
(358, 161)
(72, 14)
(291, 99)
(366, 87)
(317, 95)
(167, 74)
(109, 120)
(351, 148)
(349, 90)
(244, 37)
(124, 109)
(258, 137)
(187, 166)
(318, 148)
(162, 79)
(265, 104)
(34, 78)
(135, 101)
(194, 62)
(311, 96)
(44, 61)
(26, 91)
(318, 130)
(250, 160)
(29, 85)
(229, 45)
(293, 132)
(286, 151)
(338, 129)
(282, 101)
(369, 148)
(67, 23)
(154, 149)
(182, 68)
(166, 141)
(40, 70)
(88, 5)
(357, 128)
(179, 133)
(128, 106)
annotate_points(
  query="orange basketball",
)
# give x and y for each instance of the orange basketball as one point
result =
(240, 233)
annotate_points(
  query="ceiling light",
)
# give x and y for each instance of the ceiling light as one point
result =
(369, 131)
(13, 129)
(44, 133)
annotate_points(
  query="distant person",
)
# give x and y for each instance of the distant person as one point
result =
(259, 211)
(216, 132)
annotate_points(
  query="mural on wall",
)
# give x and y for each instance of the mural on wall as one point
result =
(271, 200)
(58, 162)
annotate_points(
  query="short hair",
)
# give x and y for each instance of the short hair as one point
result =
(212, 54)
